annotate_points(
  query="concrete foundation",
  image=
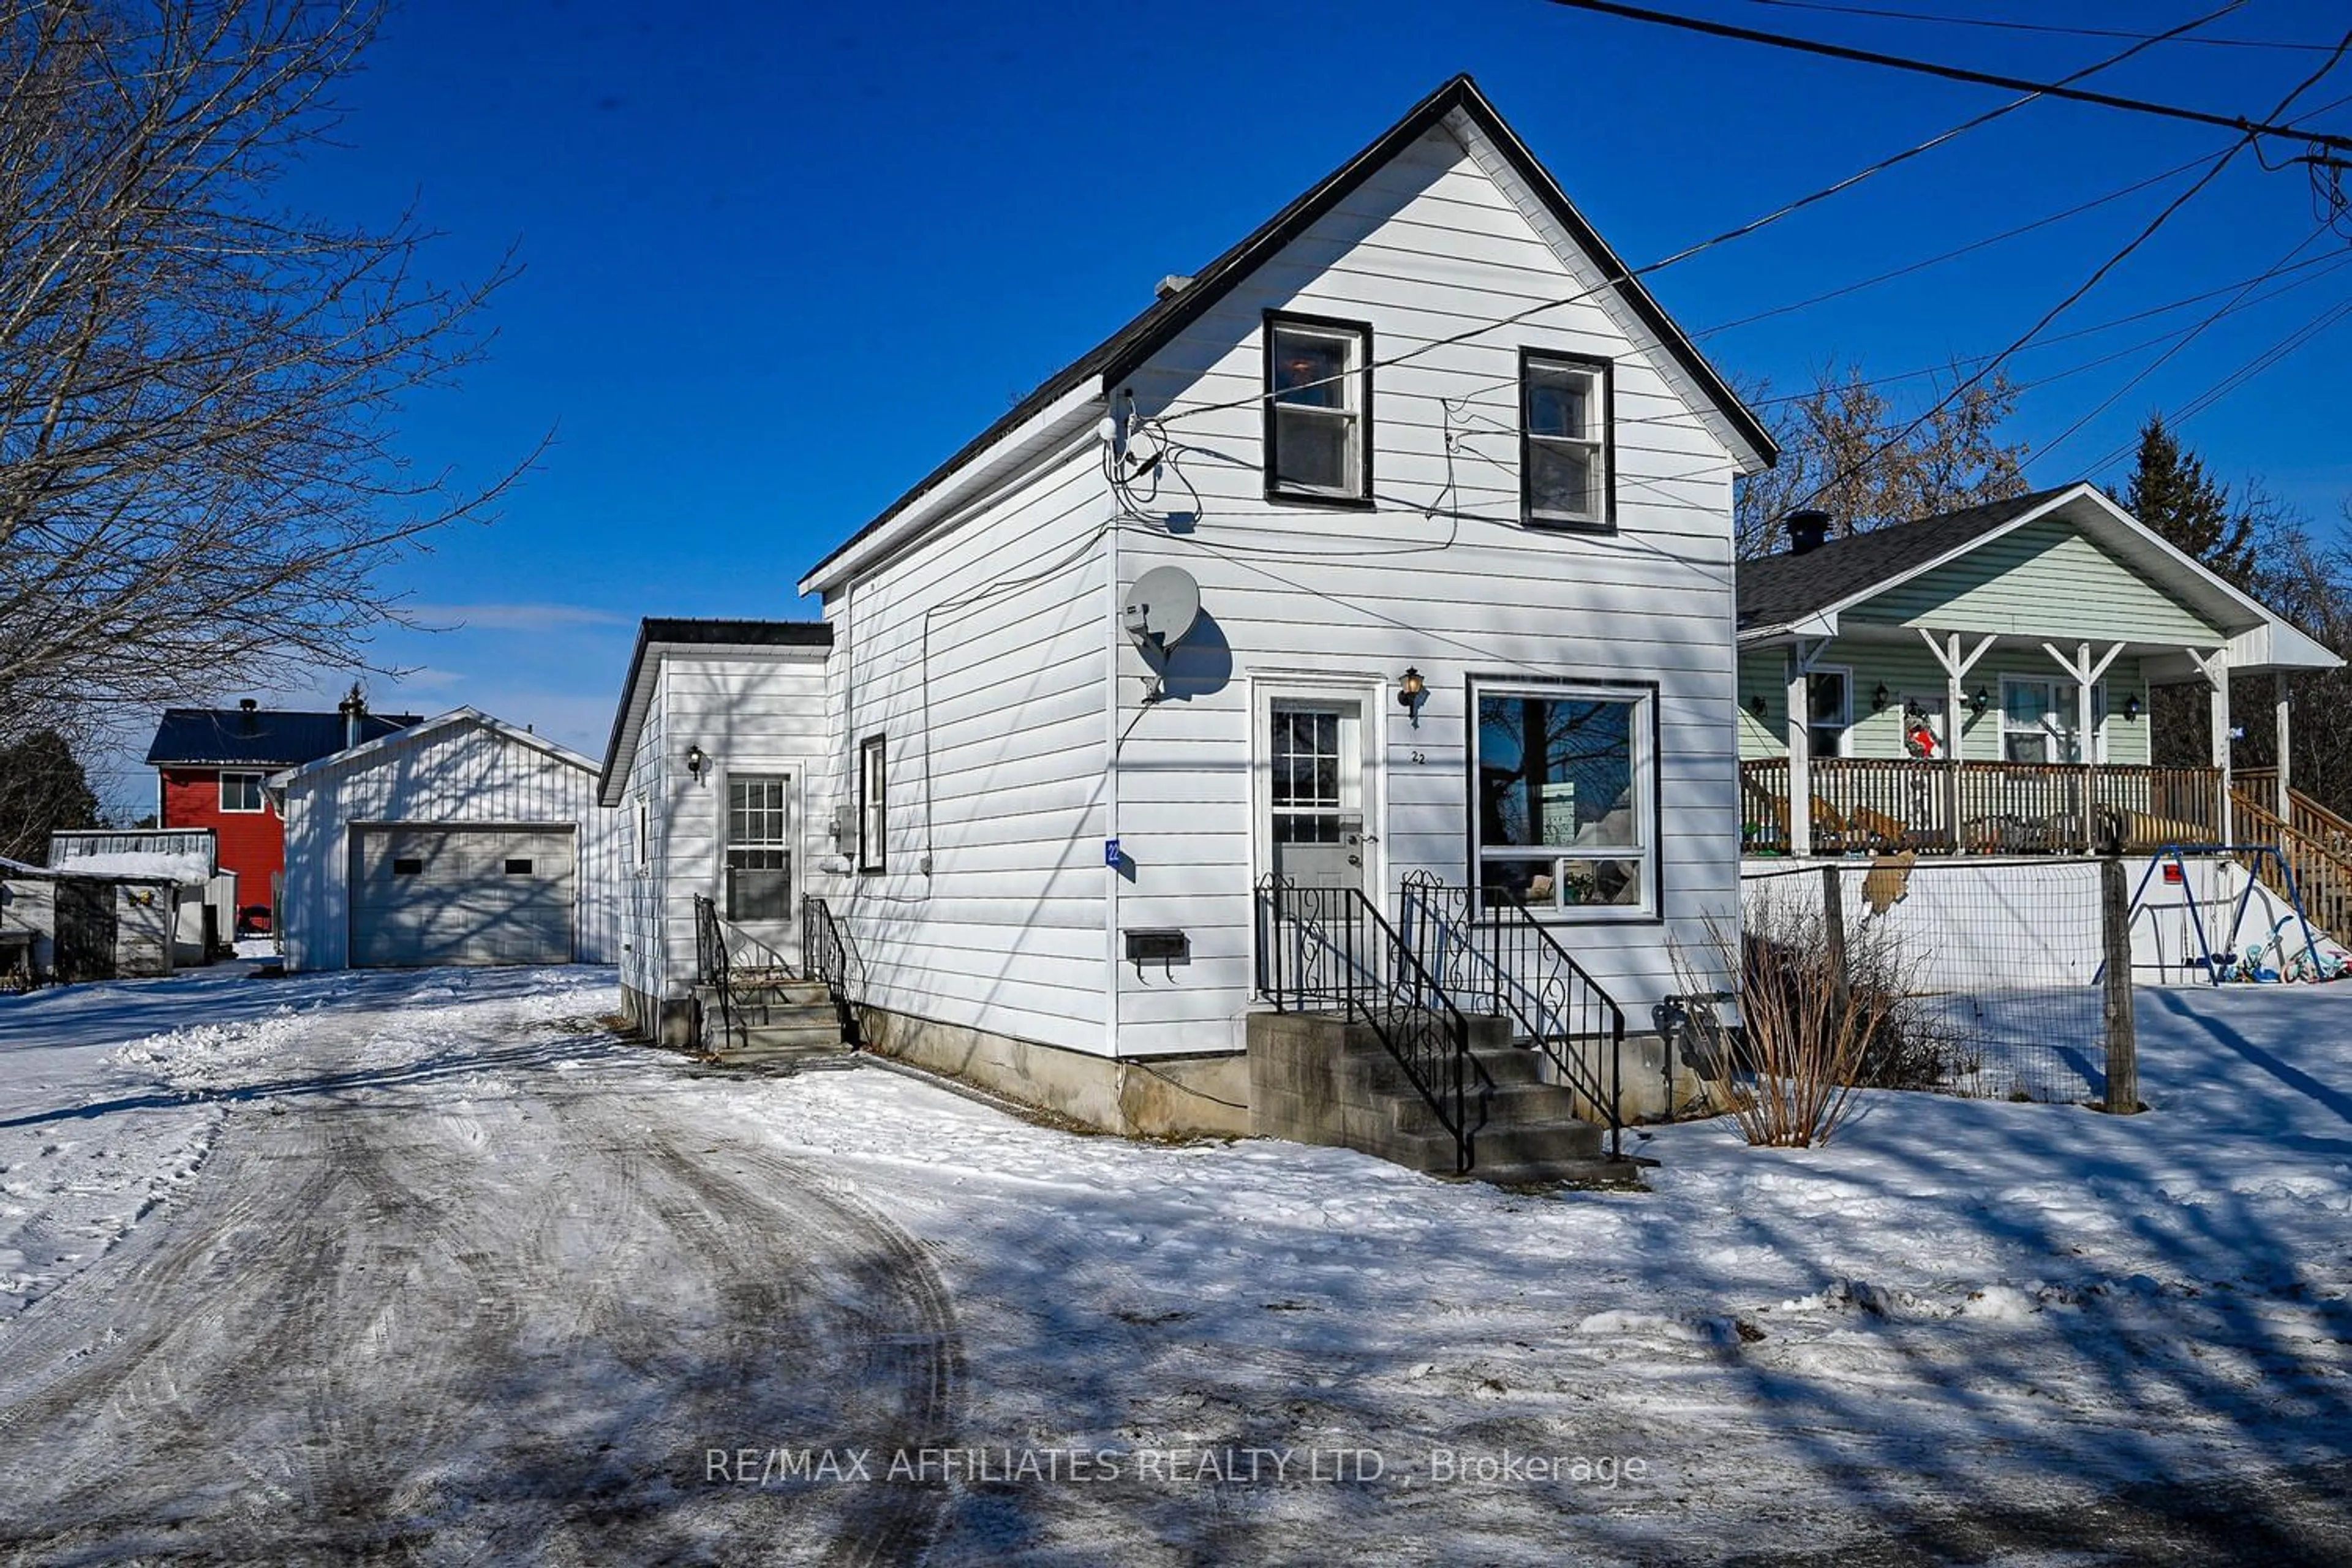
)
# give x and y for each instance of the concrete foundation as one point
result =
(670, 1022)
(1155, 1096)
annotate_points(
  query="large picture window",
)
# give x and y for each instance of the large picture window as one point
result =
(758, 848)
(1566, 454)
(1565, 798)
(873, 804)
(1319, 409)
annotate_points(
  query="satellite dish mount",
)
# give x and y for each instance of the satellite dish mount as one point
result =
(1159, 612)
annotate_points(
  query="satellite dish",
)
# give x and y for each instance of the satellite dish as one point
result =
(1162, 606)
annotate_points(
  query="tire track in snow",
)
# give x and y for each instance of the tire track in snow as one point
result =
(381, 1327)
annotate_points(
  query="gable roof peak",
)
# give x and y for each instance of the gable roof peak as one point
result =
(1120, 354)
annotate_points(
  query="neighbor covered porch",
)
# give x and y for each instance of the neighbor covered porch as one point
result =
(1982, 683)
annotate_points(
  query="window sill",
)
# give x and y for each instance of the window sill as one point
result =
(1318, 498)
(1567, 524)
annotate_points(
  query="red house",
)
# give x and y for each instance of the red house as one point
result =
(211, 763)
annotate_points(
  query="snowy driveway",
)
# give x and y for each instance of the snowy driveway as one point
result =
(427, 1268)
(441, 1287)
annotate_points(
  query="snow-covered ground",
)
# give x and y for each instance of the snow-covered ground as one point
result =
(1966, 1331)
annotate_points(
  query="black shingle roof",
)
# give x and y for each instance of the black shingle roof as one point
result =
(702, 632)
(1776, 589)
(267, 737)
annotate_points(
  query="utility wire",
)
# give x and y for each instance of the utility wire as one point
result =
(2183, 342)
(1741, 232)
(2250, 128)
(1873, 283)
(2007, 25)
(2237, 378)
(1847, 472)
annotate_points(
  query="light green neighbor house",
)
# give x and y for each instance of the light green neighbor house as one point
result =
(1978, 681)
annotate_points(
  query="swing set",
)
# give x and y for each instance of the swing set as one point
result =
(2229, 964)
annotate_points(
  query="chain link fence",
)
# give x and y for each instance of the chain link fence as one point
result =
(2001, 973)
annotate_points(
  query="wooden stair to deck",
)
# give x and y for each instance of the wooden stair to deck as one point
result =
(2316, 845)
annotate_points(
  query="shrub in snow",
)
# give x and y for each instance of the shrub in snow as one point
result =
(1821, 1017)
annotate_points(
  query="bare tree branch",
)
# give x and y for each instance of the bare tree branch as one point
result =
(200, 392)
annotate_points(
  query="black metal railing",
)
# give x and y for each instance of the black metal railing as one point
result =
(711, 964)
(1499, 958)
(825, 947)
(828, 954)
(1330, 950)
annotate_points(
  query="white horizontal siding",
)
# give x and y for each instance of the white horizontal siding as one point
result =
(980, 658)
(466, 772)
(751, 713)
(1440, 575)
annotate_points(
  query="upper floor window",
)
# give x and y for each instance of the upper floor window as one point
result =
(1319, 409)
(240, 792)
(1566, 453)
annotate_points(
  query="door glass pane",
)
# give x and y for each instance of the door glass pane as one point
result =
(758, 848)
(1310, 775)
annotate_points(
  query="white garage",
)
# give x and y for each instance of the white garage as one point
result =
(459, 840)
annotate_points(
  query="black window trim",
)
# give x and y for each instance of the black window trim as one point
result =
(873, 858)
(1606, 369)
(1362, 330)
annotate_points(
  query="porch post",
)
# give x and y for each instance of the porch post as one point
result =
(2088, 740)
(1801, 754)
(1954, 737)
(2217, 678)
(1956, 670)
(2085, 673)
(2280, 727)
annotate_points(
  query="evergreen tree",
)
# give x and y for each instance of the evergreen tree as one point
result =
(42, 788)
(2171, 494)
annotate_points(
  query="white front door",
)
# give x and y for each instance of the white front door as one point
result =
(1313, 810)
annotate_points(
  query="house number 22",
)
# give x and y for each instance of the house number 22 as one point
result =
(1420, 756)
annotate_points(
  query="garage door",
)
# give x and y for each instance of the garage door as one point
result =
(461, 895)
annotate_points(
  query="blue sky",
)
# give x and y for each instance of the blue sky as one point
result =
(778, 261)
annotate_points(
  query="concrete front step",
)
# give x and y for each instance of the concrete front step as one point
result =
(1563, 1143)
(784, 1036)
(788, 1058)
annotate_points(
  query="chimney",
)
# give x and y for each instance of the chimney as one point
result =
(1808, 531)
(351, 708)
(248, 707)
(1175, 283)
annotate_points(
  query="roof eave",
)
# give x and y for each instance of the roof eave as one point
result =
(979, 473)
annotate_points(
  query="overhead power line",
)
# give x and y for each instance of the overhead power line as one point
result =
(1626, 275)
(1850, 471)
(2004, 25)
(1958, 73)
(1938, 261)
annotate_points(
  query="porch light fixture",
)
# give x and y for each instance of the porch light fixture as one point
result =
(1755, 705)
(1878, 698)
(1978, 703)
(1410, 689)
(2131, 707)
(694, 761)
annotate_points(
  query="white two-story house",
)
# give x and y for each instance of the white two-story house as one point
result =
(1393, 544)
